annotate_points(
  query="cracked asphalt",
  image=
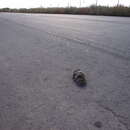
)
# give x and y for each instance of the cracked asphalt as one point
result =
(39, 52)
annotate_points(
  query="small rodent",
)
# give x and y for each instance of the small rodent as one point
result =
(79, 78)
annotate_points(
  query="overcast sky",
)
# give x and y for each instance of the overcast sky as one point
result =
(59, 3)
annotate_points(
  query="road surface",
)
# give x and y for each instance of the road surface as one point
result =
(39, 52)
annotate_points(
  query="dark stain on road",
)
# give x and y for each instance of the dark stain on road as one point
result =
(98, 124)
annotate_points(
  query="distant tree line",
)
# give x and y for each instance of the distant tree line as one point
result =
(92, 10)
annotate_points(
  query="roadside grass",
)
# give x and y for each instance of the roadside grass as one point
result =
(92, 10)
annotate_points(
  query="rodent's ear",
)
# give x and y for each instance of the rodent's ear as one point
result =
(76, 70)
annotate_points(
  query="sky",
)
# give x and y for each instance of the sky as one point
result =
(57, 3)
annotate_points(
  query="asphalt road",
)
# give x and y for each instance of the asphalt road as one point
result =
(38, 53)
